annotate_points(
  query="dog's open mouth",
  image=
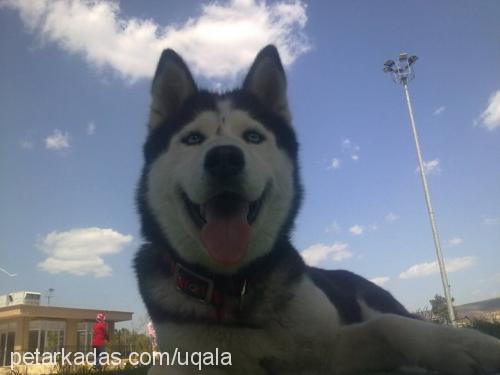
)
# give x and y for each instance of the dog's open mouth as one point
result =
(225, 223)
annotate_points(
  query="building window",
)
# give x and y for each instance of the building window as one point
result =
(84, 336)
(7, 339)
(46, 335)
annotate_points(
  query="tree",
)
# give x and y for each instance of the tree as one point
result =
(489, 327)
(439, 309)
(126, 341)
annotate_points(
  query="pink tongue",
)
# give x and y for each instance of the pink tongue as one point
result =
(226, 235)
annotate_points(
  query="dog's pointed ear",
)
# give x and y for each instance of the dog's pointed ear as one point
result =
(172, 85)
(266, 79)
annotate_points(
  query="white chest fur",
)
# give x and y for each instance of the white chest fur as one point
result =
(304, 328)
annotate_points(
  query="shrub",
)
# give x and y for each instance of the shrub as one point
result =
(488, 327)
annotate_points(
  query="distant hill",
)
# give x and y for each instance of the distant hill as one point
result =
(474, 308)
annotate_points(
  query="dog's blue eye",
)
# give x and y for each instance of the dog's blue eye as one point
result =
(194, 138)
(253, 136)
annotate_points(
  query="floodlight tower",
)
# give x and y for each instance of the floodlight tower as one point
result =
(402, 73)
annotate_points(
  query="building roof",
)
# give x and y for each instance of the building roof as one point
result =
(57, 312)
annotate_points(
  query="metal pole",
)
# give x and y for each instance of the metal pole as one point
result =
(435, 236)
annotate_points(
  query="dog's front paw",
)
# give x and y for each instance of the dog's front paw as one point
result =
(463, 352)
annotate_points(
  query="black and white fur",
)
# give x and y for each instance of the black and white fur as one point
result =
(294, 319)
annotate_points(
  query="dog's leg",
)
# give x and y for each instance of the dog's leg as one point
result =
(391, 341)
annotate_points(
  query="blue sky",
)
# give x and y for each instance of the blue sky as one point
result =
(74, 94)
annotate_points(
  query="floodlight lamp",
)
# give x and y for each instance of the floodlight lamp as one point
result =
(412, 59)
(403, 56)
(389, 63)
(387, 69)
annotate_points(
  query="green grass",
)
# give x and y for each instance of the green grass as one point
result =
(141, 370)
(127, 370)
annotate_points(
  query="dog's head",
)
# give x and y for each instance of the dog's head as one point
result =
(220, 183)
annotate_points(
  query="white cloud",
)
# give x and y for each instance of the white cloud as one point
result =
(431, 268)
(458, 264)
(391, 217)
(316, 254)
(380, 281)
(490, 117)
(219, 42)
(439, 110)
(3, 270)
(430, 167)
(346, 143)
(488, 220)
(57, 140)
(455, 241)
(356, 230)
(373, 227)
(81, 251)
(351, 148)
(333, 228)
(26, 144)
(91, 128)
(334, 164)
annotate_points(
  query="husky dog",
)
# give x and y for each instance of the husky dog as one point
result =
(218, 196)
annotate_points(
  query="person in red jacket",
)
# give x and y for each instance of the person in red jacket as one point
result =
(99, 337)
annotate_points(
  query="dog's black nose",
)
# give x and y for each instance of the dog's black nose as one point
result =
(224, 161)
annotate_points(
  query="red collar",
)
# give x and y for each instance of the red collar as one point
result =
(203, 288)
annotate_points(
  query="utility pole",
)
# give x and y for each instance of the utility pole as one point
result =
(49, 295)
(402, 73)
